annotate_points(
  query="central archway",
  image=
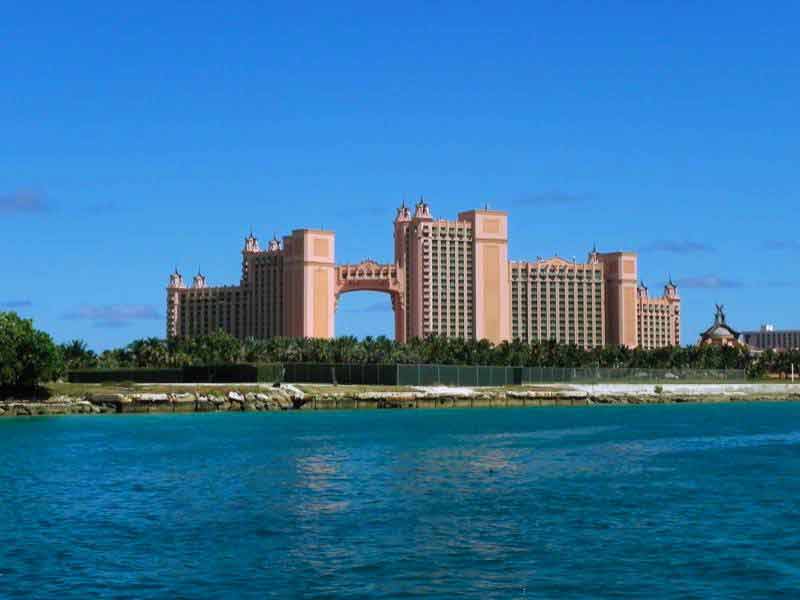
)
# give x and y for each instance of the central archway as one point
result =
(370, 276)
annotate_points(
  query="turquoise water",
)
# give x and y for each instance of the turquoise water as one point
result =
(614, 502)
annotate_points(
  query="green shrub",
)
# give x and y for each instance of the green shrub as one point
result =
(28, 356)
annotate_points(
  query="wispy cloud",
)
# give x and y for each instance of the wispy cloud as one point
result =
(553, 198)
(377, 307)
(115, 315)
(23, 203)
(782, 245)
(15, 304)
(678, 247)
(709, 282)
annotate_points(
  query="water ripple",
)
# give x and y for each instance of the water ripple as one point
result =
(657, 502)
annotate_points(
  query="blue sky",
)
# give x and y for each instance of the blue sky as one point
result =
(141, 136)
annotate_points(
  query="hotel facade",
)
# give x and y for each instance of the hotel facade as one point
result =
(449, 277)
(769, 338)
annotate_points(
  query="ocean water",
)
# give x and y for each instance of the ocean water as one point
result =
(674, 501)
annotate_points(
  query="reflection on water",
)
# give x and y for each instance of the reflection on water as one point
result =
(545, 434)
(657, 502)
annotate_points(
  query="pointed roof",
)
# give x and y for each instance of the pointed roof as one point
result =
(403, 213)
(422, 209)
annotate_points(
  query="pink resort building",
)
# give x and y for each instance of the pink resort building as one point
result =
(450, 278)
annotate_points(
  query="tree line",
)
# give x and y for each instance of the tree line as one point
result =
(28, 356)
(221, 348)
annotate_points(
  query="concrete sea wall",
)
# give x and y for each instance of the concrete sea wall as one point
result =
(288, 398)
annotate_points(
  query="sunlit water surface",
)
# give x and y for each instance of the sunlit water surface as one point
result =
(615, 502)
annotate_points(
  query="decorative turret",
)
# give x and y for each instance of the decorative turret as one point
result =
(402, 225)
(423, 211)
(642, 290)
(403, 214)
(176, 280)
(274, 245)
(671, 290)
(594, 256)
(251, 243)
(199, 281)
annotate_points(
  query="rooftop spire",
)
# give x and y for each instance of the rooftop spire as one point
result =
(422, 209)
(199, 280)
(176, 279)
(251, 242)
(274, 244)
(719, 316)
(403, 213)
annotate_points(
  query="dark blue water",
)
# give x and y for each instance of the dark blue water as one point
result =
(640, 502)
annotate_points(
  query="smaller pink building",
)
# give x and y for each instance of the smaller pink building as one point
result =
(658, 319)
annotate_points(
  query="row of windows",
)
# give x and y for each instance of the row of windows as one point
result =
(517, 278)
(449, 233)
(552, 289)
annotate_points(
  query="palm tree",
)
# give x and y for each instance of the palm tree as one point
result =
(77, 355)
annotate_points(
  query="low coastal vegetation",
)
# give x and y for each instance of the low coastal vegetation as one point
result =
(29, 357)
(221, 348)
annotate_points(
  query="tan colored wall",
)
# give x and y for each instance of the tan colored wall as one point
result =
(491, 293)
(621, 279)
(492, 313)
(322, 314)
(320, 279)
(310, 283)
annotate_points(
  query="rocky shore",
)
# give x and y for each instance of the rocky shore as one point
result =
(131, 403)
(288, 398)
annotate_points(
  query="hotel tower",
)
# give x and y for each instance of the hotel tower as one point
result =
(449, 278)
